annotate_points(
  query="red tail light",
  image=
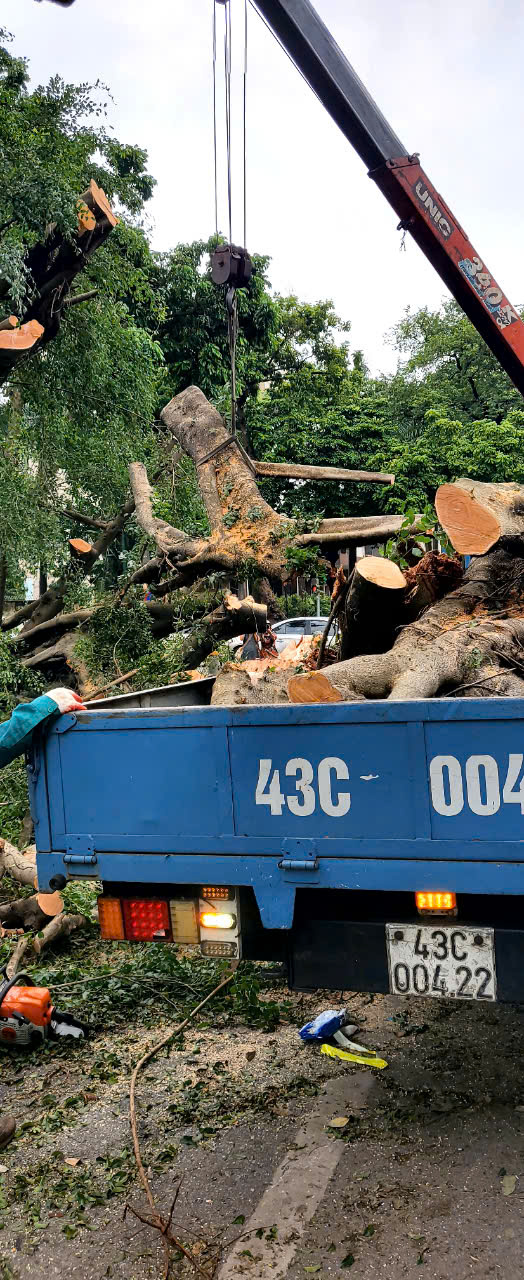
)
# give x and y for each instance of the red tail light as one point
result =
(146, 919)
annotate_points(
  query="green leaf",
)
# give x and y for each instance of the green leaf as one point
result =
(369, 1230)
(239, 1222)
(347, 1261)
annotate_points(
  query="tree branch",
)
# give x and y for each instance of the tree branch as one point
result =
(296, 471)
(73, 298)
(82, 518)
(170, 541)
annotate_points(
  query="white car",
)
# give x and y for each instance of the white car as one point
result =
(290, 629)
(295, 628)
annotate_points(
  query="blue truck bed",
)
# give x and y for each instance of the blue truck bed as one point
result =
(375, 795)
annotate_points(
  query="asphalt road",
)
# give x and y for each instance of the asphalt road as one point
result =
(425, 1177)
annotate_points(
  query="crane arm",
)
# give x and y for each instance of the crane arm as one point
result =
(400, 178)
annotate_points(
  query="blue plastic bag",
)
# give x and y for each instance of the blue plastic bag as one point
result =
(324, 1025)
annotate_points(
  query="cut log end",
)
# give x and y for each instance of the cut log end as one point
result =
(312, 688)
(470, 527)
(80, 548)
(100, 199)
(22, 338)
(381, 572)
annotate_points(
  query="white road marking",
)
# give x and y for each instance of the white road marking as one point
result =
(298, 1186)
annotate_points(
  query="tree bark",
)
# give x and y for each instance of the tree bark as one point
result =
(20, 866)
(232, 618)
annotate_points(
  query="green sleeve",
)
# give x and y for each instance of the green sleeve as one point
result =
(15, 734)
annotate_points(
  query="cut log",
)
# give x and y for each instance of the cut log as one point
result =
(26, 913)
(373, 606)
(439, 652)
(476, 515)
(298, 471)
(21, 338)
(21, 866)
(10, 322)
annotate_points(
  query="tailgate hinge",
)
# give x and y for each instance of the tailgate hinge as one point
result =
(80, 851)
(297, 864)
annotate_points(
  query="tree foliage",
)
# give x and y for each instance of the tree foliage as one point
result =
(74, 416)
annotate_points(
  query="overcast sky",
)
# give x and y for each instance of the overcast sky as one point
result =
(447, 75)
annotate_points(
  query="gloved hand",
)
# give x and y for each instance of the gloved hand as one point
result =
(66, 700)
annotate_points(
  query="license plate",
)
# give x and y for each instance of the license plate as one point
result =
(446, 961)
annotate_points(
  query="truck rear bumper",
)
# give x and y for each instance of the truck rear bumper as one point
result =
(350, 955)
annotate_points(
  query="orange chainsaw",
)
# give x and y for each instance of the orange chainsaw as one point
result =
(28, 1016)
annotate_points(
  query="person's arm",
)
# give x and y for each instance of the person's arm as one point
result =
(16, 733)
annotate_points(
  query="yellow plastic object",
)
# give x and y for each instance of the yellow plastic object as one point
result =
(110, 919)
(371, 1061)
(184, 923)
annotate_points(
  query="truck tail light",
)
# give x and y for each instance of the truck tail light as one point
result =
(218, 948)
(184, 923)
(218, 893)
(110, 919)
(217, 920)
(146, 919)
(439, 903)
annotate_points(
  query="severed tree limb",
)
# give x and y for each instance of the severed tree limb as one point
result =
(233, 617)
(360, 531)
(59, 927)
(21, 866)
(50, 602)
(298, 471)
(54, 626)
(53, 264)
(74, 298)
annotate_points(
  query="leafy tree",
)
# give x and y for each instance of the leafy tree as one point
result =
(317, 407)
(74, 416)
(193, 331)
(447, 366)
